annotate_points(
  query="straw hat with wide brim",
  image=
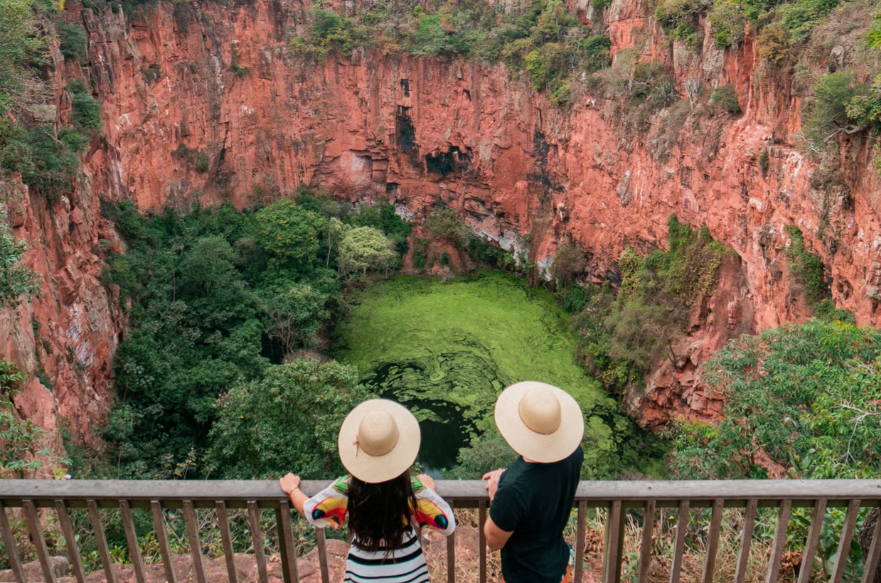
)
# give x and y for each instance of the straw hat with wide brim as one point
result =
(379, 440)
(539, 421)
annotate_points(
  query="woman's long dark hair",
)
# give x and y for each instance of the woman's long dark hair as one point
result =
(381, 514)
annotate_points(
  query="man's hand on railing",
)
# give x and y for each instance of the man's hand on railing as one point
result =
(493, 482)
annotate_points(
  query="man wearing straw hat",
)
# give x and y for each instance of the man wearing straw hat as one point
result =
(530, 502)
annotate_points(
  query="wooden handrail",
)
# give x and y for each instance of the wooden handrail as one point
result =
(646, 497)
(267, 493)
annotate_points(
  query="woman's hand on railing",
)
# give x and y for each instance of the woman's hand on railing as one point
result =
(427, 480)
(289, 483)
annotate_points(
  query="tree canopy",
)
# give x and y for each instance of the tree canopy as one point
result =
(287, 421)
(802, 401)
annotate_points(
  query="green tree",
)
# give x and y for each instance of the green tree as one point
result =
(20, 438)
(804, 400)
(16, 280)
(294, 314)
(827, 114)
(288, 232)
(443, 224)
(365, 248)
(286, 422)
(20, 44)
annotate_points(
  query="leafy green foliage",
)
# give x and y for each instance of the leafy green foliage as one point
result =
(47, 160)
(16, 280)
(21, 439)
(621, 338)
(802, 400)
(330, 32)
(542, 37)
(20, 45)
(806, 268)
(725, 98)
(288, 420)
(363, 248)
(86, 115)
(215, 298)
(840, 104)
(443, 224)
(289, 232)
(72, 41)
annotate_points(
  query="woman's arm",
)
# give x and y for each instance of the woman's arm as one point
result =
(432, 511)
(290, 485)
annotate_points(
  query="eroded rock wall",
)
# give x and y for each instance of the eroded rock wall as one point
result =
(204, 101)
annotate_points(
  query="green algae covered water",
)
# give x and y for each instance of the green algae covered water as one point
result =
(447, 349)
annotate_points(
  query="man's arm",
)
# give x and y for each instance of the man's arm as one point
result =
(496, 538)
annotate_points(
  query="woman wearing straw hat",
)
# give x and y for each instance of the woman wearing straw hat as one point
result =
(530, 502)
(378, 442)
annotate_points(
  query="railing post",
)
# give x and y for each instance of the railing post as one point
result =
(451, 556)
(807, 558)
(481, 537)
(195, 544)
(76, 561)
(286, 544)
(679, 546)
(713, 541)
(850, 522)
(779, 541)
(580, 527)
(645, 553)
(162, 539)
(870, 569)
(257, 539)
(746, 539)
(226, 540)
(101, 540)
(11, 547)
(132, 538)
(321, 543)
(39, 540)
(614, 544)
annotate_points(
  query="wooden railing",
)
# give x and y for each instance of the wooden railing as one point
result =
(616, 497)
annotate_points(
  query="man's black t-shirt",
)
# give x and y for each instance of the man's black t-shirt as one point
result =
(534, 501)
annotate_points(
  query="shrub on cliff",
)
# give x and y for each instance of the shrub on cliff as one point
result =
(86, 114)
(71, 41)
(841, 104)
(21, 438)
(17, 281)
(725, 98)
(623, 337)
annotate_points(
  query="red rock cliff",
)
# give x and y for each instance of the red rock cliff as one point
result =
(424, 131)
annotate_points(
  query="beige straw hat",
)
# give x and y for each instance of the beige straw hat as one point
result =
(539, 421)
(379, 439)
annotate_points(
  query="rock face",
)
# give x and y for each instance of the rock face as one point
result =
(204, 102)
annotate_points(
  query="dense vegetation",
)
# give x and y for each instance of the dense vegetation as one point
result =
(543, 39)
(218, 300)
(16, 280)
(801, 401)
(45, 153)
(623, 336)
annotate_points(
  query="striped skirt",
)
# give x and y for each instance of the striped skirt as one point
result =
(403, 565)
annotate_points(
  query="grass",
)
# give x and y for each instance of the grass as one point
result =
(464, 341)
